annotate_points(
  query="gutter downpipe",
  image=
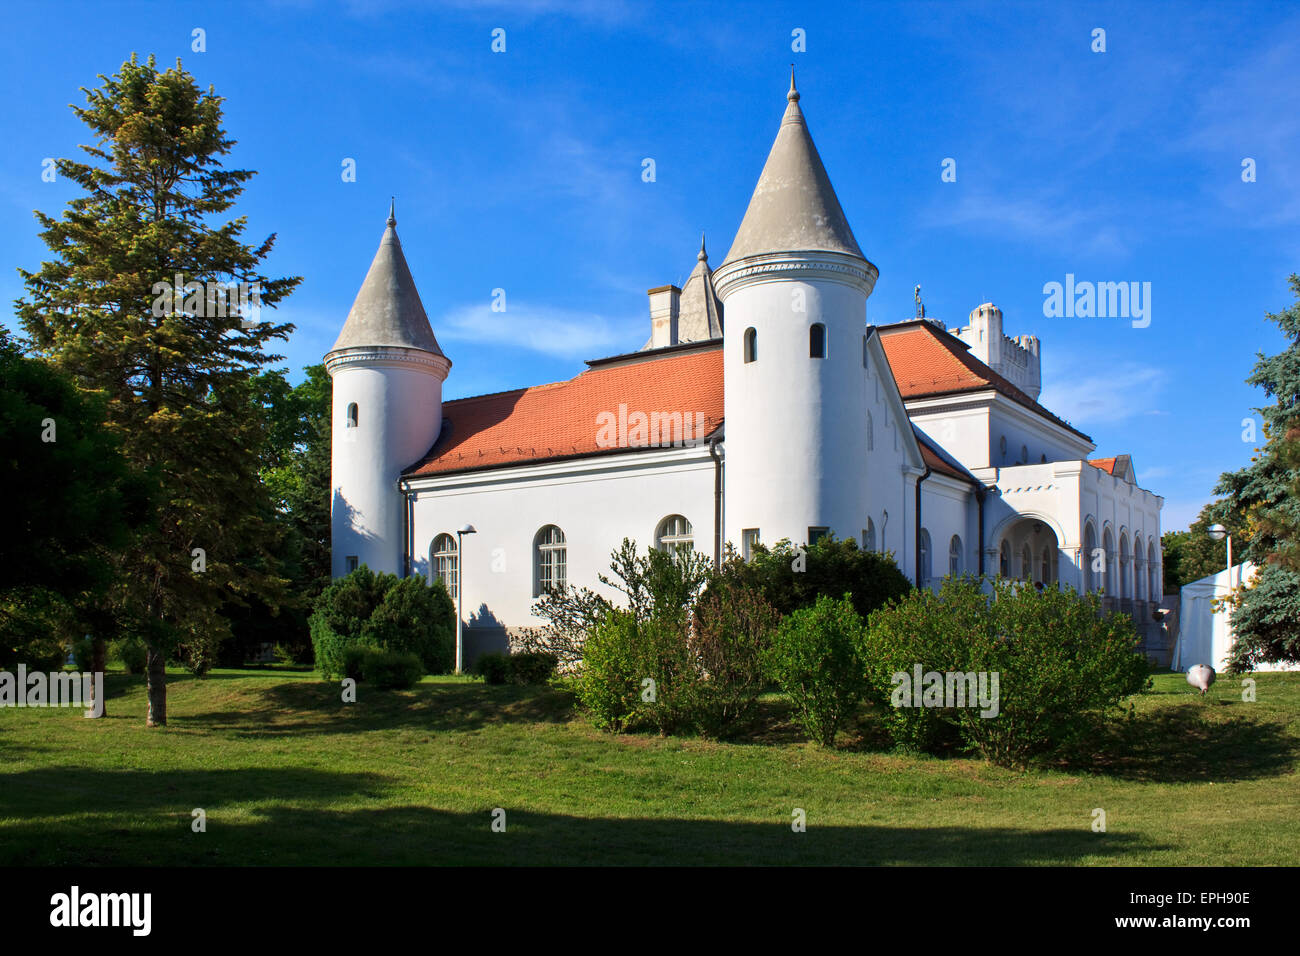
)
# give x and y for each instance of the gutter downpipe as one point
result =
(717, 502)
(918, 524)
(407, 526)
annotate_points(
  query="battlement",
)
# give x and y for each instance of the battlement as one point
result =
(1015, 359)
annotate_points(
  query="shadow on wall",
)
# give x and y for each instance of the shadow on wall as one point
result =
(484, 633)
(340, 508)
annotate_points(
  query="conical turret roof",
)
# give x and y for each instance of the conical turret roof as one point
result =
(699, 316)
(794, 207)
(388, 310)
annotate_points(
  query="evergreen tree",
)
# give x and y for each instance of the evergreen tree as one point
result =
(1263, 500)
(174, 369)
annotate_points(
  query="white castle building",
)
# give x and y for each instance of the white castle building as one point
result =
(762, 407)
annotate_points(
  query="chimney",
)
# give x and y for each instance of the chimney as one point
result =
(665, 307)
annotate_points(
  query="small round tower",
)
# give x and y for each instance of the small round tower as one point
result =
(387, 371)
(795, 286)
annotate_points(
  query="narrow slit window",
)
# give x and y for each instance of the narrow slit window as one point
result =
(751, 345)
(817, 341)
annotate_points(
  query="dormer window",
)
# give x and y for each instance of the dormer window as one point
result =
(352, 415)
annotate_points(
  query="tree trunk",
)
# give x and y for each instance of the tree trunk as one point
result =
(156, 685)
(98, 661)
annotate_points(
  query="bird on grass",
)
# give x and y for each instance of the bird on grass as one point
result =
(1201, 676)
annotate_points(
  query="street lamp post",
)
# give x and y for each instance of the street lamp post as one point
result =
(460, 584)
(1218, 532)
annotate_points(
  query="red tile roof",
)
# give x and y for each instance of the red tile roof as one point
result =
(927, 361)
(1105, 464)
(562, 419)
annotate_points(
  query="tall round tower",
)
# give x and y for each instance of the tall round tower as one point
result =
(795, 287)
(387, 372)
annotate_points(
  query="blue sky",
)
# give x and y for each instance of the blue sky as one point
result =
(522, 171)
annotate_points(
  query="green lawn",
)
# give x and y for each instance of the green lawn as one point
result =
(288, 774)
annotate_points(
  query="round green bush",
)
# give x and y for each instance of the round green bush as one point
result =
(383, 611)
(816, 659)
(1060, 665)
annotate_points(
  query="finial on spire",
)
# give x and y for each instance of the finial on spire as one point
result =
(703, 256)
(392, 219)
(793, 95)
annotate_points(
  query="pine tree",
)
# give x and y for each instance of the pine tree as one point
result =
(1263, 500)
(174, 369)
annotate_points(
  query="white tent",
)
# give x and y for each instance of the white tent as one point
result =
(1204, 634)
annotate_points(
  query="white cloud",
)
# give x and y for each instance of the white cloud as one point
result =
(1124, 391)
(1043, 217)
(562, 333)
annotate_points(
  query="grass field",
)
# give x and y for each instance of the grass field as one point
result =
(287, 774)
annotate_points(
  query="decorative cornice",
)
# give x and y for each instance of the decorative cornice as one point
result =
(387, 356)
(772, 267)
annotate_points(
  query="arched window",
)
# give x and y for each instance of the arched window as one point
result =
(1024, 454)
(817, 341)
(1026, 563)
(1045, 566)
(1002, 447)
(1155, 585)
(1112, 575)
(871, 432)
(1139, 575)
(1125, 590)
(674, 532)
(925, 558)
(869, 536)
(1088, 556)
(1004, 560)
(751, 344)
(444, 563)
(550, 561)
(954, 555)
(352, 415)
(866, 363)
(1042, 459)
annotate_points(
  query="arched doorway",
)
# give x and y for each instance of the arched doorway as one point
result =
(1036, 551)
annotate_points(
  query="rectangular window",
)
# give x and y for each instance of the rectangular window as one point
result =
(748, 538)
(816, 534)
(350, 562)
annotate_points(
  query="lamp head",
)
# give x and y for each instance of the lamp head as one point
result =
(1218, 532)
(466, 529)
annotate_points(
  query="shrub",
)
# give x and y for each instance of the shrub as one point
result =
(934, 633)
(815, 658)
(418, 619)
(130, 652)
(353, 661)
(390, 669)
(732, 629)
(609, 686)
(403, 615)
(1061, 665)
(493, 668)
(790, 580)
(535, 667)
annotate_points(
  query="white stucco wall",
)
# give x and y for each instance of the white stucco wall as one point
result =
(596, 502)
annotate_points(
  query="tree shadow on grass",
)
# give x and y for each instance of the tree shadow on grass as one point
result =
(157, 832)
(311, 707)
(1183, 744)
